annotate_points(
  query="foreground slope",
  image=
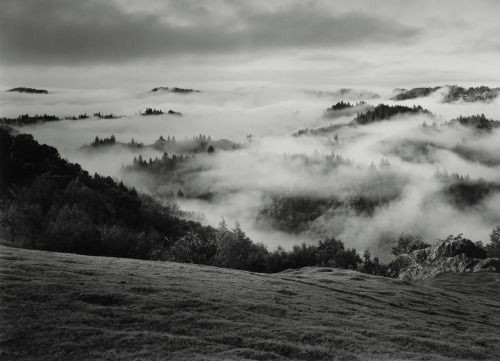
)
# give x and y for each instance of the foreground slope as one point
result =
(60, 306)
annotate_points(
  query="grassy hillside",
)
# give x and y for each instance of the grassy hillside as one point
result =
(66, 307)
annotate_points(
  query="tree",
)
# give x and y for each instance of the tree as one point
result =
(72, 231)
(32, 222)
(493, 249)
(211, 149)
(235, 250)
(407, 243)
(192, 249)
(332, 253)
(10, 219)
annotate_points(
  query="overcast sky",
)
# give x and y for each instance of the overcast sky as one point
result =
(321, 44)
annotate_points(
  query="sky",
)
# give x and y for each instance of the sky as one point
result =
(97, 44)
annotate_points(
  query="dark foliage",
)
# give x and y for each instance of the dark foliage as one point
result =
(493, 248)
(28, 90)
(415, 93)
(384, 112)
(472, 94)
(175, 90)
(464, 191)
(26, 119)
(455, 93)
(341, 105)
(407, 243)
(105, 116)
(479, 122)
(475, 155)
(63, 208)
(290, 213)
(105, 141)
(151, 111)
(374, 188)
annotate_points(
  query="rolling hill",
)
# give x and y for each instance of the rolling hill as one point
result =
(56, 306)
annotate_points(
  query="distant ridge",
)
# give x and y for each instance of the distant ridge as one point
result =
(174, 90)
(455, 93)
(28, 90)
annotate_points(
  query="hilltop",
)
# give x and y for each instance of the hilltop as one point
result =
(454, 93)
(28, 90)
(60, 306)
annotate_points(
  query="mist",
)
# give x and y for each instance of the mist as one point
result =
(271, 162)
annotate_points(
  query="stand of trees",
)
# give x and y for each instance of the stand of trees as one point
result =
(384, 112)
(479, 122)
(28, 90)
(455, 93)
(26, 119)
(175, 90)
(464, 191)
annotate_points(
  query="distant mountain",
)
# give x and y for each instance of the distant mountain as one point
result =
(174, 90)
(455, 93)
(28, 90)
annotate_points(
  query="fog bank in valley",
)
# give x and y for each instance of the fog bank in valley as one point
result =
(394, 165)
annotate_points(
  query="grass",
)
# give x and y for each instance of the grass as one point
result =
(66, 307)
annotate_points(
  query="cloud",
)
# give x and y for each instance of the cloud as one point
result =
(57, 32)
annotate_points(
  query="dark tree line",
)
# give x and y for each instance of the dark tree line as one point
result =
(26, 119)
(472, 94)
(28, 90)
(415, 93)
(175, 90)
(104, 141)
(342, 105)
(465, 192)
(455, 93)
(151, 111)
(384, 112)
(479, 122)
(105, 116)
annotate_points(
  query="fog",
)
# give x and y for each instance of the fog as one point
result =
(273, 161)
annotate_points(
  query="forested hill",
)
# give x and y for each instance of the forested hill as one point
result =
(455, 93)
(28, 90)
(56, 205)
(384, 112)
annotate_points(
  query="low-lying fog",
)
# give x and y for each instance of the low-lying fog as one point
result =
(267, 164)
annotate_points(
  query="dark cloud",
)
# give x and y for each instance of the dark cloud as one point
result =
(62, 32)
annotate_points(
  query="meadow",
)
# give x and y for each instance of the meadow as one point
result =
(58, 306)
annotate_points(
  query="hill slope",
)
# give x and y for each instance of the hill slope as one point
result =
(60, 306)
